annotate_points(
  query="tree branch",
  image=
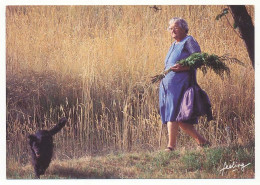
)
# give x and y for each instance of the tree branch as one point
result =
(233, 28)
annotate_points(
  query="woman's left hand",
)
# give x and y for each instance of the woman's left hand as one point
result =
(179, 68)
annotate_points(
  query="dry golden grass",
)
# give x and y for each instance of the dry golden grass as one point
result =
(93, 65)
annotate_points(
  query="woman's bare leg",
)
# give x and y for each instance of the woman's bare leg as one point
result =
(190, 130)
(172, 134)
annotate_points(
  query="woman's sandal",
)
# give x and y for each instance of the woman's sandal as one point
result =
(169, 149)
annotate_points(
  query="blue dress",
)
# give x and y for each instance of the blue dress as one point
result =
(173, 86)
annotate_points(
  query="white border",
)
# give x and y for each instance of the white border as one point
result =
(129, 2)
(118, 2)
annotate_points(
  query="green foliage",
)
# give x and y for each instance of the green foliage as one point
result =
(204, 62)
(223, 13)
(244, 153)
(162, 159)
(191, 161)
(213, 159)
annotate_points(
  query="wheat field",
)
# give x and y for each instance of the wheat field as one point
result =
(93, 65)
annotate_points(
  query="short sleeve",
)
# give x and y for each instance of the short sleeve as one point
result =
(192, 46)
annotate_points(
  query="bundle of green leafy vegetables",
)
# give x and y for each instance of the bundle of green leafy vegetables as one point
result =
(204, 62)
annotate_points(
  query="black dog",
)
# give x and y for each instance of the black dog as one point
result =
(42, 147)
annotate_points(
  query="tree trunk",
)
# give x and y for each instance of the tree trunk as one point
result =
(246, 28)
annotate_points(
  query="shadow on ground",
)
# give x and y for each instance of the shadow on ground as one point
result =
(73, 173)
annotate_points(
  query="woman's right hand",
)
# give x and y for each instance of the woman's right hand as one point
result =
(179, 68)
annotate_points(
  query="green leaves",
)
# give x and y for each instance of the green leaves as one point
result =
(204, 62)
(223, 13)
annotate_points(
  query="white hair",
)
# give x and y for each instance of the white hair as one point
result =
(181, 23)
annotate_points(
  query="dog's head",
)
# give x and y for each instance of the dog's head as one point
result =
(35, 145)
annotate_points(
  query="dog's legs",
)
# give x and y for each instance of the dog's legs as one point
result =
(37, 175)
(37, 172)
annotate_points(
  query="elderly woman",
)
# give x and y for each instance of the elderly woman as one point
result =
(173, 86)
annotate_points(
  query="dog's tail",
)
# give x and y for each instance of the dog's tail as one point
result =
(59, 126)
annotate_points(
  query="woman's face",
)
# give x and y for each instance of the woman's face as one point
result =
(177, 32)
